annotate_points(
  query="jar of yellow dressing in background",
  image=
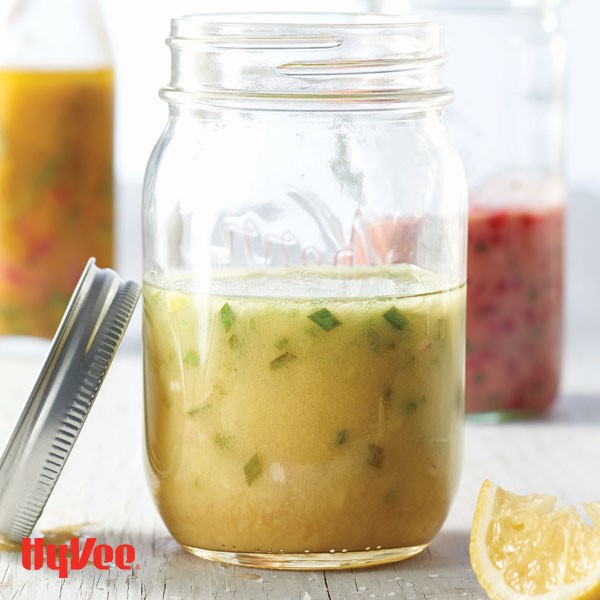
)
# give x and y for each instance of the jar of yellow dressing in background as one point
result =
(56, 157)
(304, 291)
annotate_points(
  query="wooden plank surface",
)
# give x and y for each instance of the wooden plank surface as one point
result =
(104, 485)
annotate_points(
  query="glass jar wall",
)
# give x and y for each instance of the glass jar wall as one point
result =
(56, 157)
(304, 299)
(508, 68)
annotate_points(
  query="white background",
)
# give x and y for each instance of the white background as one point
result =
(139, 27)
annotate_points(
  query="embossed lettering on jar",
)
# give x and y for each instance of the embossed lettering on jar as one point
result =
(304, 301)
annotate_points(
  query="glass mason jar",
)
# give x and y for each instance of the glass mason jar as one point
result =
(508, 122)
(304, 299)
(56, 157)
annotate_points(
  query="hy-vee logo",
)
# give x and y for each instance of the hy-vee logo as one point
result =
(75, 555)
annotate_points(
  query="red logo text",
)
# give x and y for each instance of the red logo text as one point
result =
(75, 555)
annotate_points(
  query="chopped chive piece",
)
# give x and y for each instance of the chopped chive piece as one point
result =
(375, 456)
(479, 377)
(387, 394)
(395, 318)
(234, 342)
(342, 437)
(252, 469)
(227, 316)
(324, 319)
(281, 343)
(282, 360)
(224, 441)
(410, 407)
(191, 358)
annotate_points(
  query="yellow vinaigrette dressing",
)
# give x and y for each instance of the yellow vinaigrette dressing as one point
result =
(56, 190)
(299, 424)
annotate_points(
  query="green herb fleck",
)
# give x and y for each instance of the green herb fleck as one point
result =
(199, 410)
(396, 319)
(410, 360)
(191, 358)
(534, 294)
(252, 469)
(324, 319)
(375, 456)
(234, 342)
(282, 360)
(224, 441)
(49, 171)
(377, 341)
(227, 316)
(342, 437)
(410, 407)
(387, 394)
(281, 343)
(481, 247)
(311, 330)
(479, 377)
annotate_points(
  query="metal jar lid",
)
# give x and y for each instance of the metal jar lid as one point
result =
(80, 355)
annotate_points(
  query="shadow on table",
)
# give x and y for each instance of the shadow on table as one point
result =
(573, 409)
(449, 548)
(449, 552)
(576, 409)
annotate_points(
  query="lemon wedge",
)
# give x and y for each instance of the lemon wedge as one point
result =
(524, 547)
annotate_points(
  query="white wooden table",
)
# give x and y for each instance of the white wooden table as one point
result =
(104, 484)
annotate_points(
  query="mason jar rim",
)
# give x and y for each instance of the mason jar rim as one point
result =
(189, 24)
(298, 30)
(350, 59)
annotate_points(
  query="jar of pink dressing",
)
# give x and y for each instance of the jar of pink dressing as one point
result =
(508, 121)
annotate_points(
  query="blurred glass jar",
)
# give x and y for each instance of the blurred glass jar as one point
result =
(56, 157)
(305, 261)
(508, 68)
